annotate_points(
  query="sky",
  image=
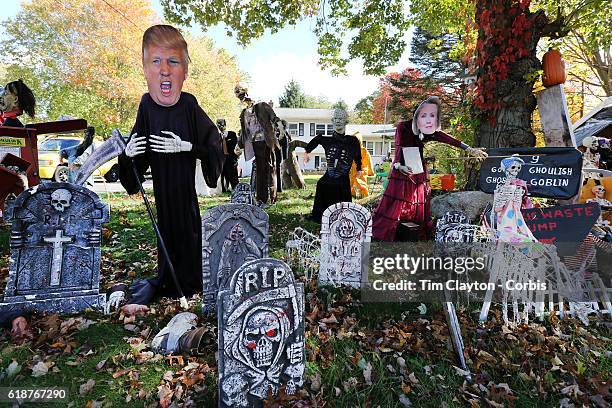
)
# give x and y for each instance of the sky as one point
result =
(273, 60)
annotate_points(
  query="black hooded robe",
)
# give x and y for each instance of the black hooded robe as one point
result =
(178, 213)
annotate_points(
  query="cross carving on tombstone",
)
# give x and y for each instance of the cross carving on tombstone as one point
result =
(58, 251)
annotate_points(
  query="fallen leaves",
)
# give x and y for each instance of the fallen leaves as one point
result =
(41, 368)
(85, 388)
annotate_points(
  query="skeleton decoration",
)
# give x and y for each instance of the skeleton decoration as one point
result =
(243, 194)
(509, 197)
(261, 334)
(304, 249)
(55, 250)
(534, 268)
(346, 229)
(232, 234)
(60, 199)
(602, 228)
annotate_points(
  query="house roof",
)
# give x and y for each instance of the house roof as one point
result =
(594, 122)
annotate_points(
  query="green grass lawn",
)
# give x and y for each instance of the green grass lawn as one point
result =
(358, 355)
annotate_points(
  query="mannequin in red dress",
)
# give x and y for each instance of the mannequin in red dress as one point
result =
(407, 196)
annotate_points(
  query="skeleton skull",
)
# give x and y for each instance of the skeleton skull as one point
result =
(235, 391)
(60, 199)
(346, 229)
(339, 120)
(262, 337)
(599, 191)
(237, 233)
(296, 378)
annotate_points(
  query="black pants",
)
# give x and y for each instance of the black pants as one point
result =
(229, 174)
(265, 181)
(329, 192)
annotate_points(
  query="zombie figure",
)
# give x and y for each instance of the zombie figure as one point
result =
(15, 99)
(340, 152)
(258, 138)
(407, 196)
(170, 133)
(229, 175)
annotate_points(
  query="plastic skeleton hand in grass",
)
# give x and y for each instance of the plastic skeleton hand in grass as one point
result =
(171, 144)
(135, 146)
(113, 302)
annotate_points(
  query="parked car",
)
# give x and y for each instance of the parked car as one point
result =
(52, 167)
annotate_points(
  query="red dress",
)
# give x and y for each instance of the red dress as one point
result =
(407, 198)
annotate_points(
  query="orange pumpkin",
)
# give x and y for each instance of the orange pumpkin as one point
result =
(554, 68)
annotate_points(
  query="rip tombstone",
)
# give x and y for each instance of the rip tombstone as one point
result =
(55, 250)
(346, 230)
(243, 194)
(261, 334)
(232, 234)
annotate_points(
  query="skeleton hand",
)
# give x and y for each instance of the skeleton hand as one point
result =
(114, 300)
(172, 144)
(477, 153)
(237, 151)
(135, 146)
(295, 352)
(407, 170)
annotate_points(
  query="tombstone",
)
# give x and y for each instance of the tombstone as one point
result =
(449, 228)
(55, 250)
(243, 194)
(231, 235)
(261, 334)
(345, 230)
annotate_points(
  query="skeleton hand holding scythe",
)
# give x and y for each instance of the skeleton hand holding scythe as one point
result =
(112, 148)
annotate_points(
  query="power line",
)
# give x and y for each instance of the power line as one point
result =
(123, 15)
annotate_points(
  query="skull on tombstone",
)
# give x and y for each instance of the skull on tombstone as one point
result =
(296, 378)
(263, 336)
(60, 199)
(235, 389)
(346, 229)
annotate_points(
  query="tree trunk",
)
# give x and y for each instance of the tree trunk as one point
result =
(292, 174)
(508, 34)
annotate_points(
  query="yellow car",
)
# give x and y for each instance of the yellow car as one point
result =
(52, 167)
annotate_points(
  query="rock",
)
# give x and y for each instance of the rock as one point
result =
(471, 203)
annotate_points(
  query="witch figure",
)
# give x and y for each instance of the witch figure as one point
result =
(340, 152)
(408, 194)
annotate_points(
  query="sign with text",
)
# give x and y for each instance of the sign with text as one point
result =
(550, 172)
(565, 226)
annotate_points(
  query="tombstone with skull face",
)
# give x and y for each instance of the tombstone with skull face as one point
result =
(261, 334)
(346, 229)
(55, 249)
(232, 234)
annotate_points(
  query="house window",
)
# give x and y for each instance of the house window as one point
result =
(378, 148)
(301, 129)
(293, 129)
(317, 162)
(312, 130)
(320, 129)
(370, 147)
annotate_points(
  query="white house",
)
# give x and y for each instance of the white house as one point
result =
(304, 124)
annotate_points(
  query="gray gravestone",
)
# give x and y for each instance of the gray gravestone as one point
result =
(261, 334)
(55, 250)
(346, 228)
(454, 227)
(232, 234)
(243, 194)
